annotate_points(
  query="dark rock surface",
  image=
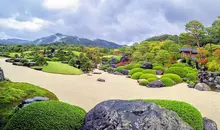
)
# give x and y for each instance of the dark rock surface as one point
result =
(125, 72)
(147, 65)
(159, 72)
(38, 68)
(2, 77)
(18, 63)
(117, 73)
(190, 85)
(209, 124)
(128, 76)
(202, 87)
(132, 115)
(156, 84)
(100, 80)
(96, 73)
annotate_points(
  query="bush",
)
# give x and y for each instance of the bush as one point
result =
(191, 70)
(12, 94)
(149, 71)
(135, 70)
(177, 70)
(179, 65)
(132, 66)
(136, 75)
(103, 67)
(54, 59)
(47, 59)
(213, 66)
(119, 69)
(143, 82)
(159, 68)
(187, 112)
(152, 79)
(167, 81)
(147, 76)
(176, 78)
(47, 115)
(192, 76)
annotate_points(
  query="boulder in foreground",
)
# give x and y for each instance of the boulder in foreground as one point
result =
(132, 115)
(209, 124)
(202, 87)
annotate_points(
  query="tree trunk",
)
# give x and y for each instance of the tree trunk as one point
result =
(198, 44)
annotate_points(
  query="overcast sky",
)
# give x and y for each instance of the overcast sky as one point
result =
(121, 21)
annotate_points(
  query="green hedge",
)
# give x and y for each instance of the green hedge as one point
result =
(147, 76)
(167, 81)
(136, 75)
(152, 79)
(135, 70)
(149, 71)
(179, 65)
(192, 76)
(12, 94)
(120, 69)
(159, 68)
(132, 66)
(187, 112)
(143, 82)
(177, 70)
(47, 115)
(176, 78)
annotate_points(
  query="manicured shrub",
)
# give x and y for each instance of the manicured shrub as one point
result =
(47, 59)
(54, 59)
(147, 76)
(213, 65)
(191, 70)
(192, 76)
(149, 71)
(179, 65)
(136, 75)
(143, 82)
(167, 81)
(176, 78)
(119, 69)
(152, 79)
(132, 66)
(159, 68)
(47, 115)
(103, 67)
(12, 94)
(187, 112)
(177, 70)
(135, 70)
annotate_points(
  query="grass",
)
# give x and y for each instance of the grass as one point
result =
(59, 68)
(12, 55)
(47, 115)
(12, 94)
(187, 112)
(76, 53)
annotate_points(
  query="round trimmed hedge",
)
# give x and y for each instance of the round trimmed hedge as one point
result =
(179, 65)
(119, 69)
(136, 75)
(159, 68)
(143, 82)
(149, 71)
(192, 76)
(147, 76)
(132, 66)
(187, 112)
(152, 79)
(47, 115)
(135, 70)
(177, 70)
(176, 78)
(167, 81)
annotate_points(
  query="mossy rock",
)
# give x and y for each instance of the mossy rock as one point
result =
(47, 115)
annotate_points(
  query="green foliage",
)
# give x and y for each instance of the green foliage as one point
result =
(47, 115)
(163, 56)
(40, 60)
(213, 66)
(152, 79)
(167, 81)
(192, 76)
(135, 70)
(164, 37)
(54, 59)
(132, 66)
(177, 70)
(86, 64)
(149, 71)
(147, 76)
(143, 82)
(187, 112)
(178, 65)
(103, 67)
(176, 78)
(12, 94)
(119, 69)
(159, 68)
(72, 62)
(136, 75)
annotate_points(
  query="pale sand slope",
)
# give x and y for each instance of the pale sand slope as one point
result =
(86, 92)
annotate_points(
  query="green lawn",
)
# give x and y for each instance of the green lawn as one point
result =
(76, 53)
(13, 54)
(60, 68)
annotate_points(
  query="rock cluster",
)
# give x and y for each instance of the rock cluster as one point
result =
(147, 65)
(132, 115)
(211, 79)
(2, 77)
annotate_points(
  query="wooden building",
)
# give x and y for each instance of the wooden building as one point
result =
(188, 52)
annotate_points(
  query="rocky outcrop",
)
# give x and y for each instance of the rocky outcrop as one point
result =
(147, 65)
(202, 87)
(132, 115)
(156, 84)
(209, 124)
(2, 77)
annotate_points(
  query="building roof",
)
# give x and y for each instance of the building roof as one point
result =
(188, 50)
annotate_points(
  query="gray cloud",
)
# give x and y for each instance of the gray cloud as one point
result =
(121, 21)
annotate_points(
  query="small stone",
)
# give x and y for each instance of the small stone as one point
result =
(159, 72)
(100, 80)
(156, 84)
(209, 124)
(190, 85)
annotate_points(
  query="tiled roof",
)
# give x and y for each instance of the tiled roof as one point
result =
(188, 50)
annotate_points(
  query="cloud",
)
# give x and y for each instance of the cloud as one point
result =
(60, 4)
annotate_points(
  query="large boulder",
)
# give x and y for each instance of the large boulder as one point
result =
(209, 124)
(2, 77)
(132, 115)
(156, 84)
(147, 65)
(202, 87)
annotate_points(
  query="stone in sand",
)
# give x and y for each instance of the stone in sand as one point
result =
(100, 80)
(209, 124)
(202, 87)
(125, 72)
(117, 73)
(96, 73)
(156, 84)
(132, 115)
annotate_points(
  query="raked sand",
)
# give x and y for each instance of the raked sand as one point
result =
(86, 92)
